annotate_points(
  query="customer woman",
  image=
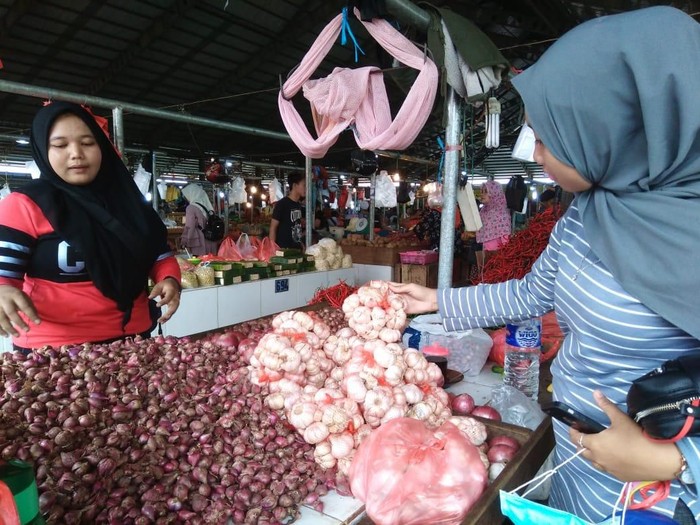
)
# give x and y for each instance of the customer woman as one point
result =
(78, 244)
(613, 104)
(196, 216)
(495, 218)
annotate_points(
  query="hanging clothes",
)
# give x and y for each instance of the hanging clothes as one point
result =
(470, 62)
(358, 97)
(495, 217)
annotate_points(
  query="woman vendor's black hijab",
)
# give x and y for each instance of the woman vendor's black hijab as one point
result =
(119, 235)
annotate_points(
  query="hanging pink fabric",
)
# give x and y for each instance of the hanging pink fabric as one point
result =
(358, 97)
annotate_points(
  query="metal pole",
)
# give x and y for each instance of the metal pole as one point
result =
(309, 205)
(118, 128)
(372, 195)
(449, 190)
(57, 94)
(154, 176)
(411, 14)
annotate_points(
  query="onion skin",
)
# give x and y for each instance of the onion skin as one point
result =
(486, 412)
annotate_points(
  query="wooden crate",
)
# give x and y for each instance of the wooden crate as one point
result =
(423, 274)
(535, 447)
(380, 256)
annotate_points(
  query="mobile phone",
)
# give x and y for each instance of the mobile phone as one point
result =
(573, 418)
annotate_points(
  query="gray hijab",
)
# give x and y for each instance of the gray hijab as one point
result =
(618, 99)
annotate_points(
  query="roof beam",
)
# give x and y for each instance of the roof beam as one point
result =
(158, 27)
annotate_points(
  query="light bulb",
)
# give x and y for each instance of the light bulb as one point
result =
(253, 189)
(263, 196)
(397, 177)
(221, 195)
(248, 204)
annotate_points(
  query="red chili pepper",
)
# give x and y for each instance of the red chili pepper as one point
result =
(515, 259)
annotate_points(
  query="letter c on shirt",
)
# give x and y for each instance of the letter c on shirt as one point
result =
(68, 259)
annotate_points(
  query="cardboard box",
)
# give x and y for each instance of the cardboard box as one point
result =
(423, 274)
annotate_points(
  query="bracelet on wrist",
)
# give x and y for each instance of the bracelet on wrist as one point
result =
(684, 474)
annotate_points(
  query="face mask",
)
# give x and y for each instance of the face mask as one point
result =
(522, 511)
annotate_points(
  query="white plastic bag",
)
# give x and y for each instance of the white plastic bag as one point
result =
(469, 349)
(385, 191)
(142, 179)
(4, 191)
(276, 191)
(238, 194)
(524, 148)
(162, 190)
(516, 408)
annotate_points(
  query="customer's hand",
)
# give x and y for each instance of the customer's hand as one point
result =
(12, 301)
(419, 299)
(169, 291)
(623, 451)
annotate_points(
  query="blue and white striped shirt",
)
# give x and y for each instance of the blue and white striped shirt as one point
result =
(611, 339)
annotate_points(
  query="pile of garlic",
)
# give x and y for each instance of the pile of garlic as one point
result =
(328, 255)
(335, 388)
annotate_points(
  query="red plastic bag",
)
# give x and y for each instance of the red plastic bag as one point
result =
(552, 338)
(267, 249)
(407, 474)
(229, 251)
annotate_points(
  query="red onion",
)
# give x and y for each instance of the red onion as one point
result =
(486, 412)
(500, 454)
(504, 440)
(462, 404)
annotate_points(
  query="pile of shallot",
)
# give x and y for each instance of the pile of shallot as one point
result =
(334, 388)
(159, 430)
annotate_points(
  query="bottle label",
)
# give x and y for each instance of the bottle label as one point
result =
(526, 334)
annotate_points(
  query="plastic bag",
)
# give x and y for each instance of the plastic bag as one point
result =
(229, 251)
(515, 407)
(468, 350)
(276, 191)
(434, 199)
(407, 474)
(266, 250)
(238, 194)
(246, 248)
(142, 179)
(5, 191)
(385, 191)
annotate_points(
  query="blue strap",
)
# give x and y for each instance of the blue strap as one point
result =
(442, 159)
(345, 31)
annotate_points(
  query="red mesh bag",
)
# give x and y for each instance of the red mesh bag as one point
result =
(407, 474)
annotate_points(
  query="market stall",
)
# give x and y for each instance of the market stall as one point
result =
(139, 413)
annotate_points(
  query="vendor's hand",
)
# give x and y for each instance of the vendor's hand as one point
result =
(12, 301)
(419, 299)
(623, 451)
(169, 291)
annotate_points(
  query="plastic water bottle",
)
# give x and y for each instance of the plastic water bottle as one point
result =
(522, 356)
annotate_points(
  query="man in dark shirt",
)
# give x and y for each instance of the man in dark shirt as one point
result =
(285, 228)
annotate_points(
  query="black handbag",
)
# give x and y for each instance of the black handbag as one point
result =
(666, 401)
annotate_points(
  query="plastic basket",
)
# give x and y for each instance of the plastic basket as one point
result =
(418, 257)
